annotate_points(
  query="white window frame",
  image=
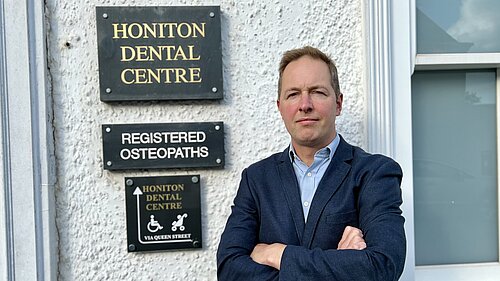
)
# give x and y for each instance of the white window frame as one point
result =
(28, 236)
(389, 124)
(392, 59)
(457, 61)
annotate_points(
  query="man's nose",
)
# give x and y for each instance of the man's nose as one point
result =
(305, 102)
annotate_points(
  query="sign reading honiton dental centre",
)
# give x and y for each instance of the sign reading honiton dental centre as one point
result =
(163, 213)
(163, 145)
(159, 53)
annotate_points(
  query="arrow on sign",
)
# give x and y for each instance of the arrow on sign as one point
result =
(138, 193)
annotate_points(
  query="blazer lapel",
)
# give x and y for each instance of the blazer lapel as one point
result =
(291, 190)
(329, 184)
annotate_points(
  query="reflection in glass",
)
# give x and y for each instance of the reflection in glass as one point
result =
(458, 26)
(455, 179)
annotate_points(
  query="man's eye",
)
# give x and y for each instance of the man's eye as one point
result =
(291, 95)
(320, 92)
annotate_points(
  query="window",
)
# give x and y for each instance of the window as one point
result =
(435, 109)
(457, 26)
(454, 166)
(455, 113)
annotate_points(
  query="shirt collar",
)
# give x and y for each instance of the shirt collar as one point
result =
(330, 149)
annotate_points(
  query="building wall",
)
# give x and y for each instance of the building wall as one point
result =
(90, 201)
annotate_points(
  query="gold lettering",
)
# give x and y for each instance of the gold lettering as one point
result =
(201, 30)
(158, 30)
(191, 53)
(154, 76)
(139, 29)
(167, 72)
(123, 30)
(151, 30)
(164, 206)
(140, 77)
(128, 53)
(195, 74)
(180, 52)
(180, 74)
(164, 197)
(123, 76)
(163, 187)
(155, 52)
(142, 54)
(152, 53)
(188, 30)
(170, 26)
(169, 52)
(161, 75)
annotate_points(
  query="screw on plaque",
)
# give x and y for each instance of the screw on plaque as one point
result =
(131, 248)
(129, 182)
(108, 129)
(217, 127)
(214, 90)
(218, 161)
(108, 90)
(109, 163)
(194, 179)
(105, 15)
(212, 14)
(196, 244)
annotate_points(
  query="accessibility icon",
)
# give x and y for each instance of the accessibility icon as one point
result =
(154, 225)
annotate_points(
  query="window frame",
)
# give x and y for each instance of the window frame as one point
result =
(457, 61)
(390, 65)
(28, 234)
(389, 121)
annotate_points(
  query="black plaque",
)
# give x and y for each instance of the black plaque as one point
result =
(163, 145)
(163, 213)
(159, 53)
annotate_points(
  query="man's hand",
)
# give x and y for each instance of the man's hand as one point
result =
(352, 239)
(268, 254)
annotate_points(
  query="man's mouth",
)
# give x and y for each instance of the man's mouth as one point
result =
(306, 121)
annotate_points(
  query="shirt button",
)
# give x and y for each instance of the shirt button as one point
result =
(306, 204)
(309, 174)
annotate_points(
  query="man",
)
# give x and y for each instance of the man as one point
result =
(322, 209)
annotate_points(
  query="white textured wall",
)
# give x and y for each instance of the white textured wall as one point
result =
(91, 202)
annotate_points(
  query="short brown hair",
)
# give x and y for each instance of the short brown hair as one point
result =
(314, 53)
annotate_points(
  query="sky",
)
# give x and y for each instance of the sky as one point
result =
(474, 21)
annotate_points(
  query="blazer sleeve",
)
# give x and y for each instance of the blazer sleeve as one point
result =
(239, 238)
(382, 224)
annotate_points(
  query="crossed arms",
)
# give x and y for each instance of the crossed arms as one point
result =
(249, 250)
(270, 254)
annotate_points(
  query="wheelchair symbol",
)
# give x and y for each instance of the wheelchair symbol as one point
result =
(154, 225)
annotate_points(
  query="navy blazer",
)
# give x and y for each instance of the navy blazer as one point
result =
(358, 189)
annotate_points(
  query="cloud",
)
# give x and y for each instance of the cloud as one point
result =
(478, 23)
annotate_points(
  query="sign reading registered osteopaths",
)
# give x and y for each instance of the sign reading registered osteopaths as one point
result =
(163, 213)
(159, 53)
(163, 145)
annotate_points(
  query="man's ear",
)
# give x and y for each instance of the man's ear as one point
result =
(340, 99)
(278, 103)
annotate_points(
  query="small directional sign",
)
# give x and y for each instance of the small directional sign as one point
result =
(163, 213)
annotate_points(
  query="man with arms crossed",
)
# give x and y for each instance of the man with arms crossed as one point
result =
(322, 209)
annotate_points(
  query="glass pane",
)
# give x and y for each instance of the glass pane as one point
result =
(458, 26)
(455, 179)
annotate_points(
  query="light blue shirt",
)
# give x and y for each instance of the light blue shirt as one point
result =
(309, 177)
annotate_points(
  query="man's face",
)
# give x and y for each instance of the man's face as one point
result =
(308, 104)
